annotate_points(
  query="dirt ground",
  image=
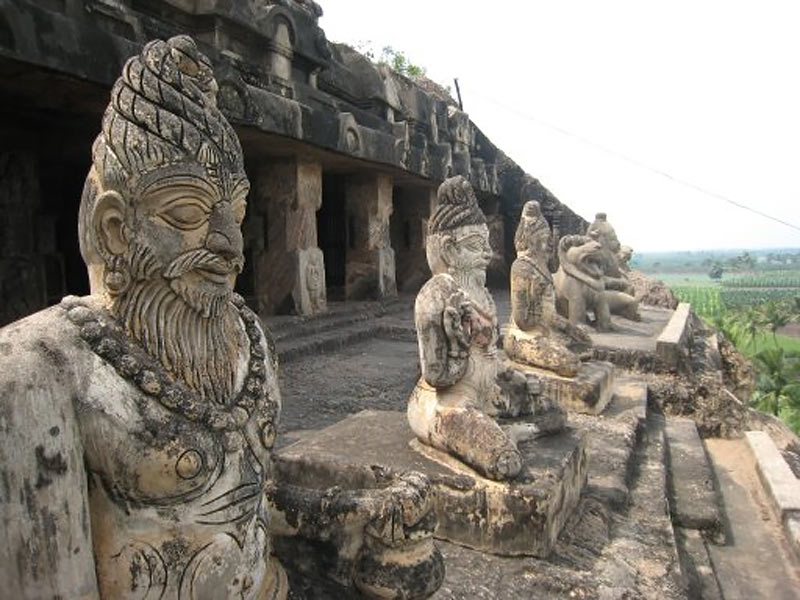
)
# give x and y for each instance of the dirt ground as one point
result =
(320, 390)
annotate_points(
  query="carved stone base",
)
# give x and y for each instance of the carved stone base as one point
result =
(588, 392)
(523, 517)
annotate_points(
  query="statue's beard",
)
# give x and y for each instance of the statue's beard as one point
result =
(471, 278)
(193, 333)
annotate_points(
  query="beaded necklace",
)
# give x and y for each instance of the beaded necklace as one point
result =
(252, 407)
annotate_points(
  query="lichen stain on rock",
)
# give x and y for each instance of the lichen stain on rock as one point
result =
(50, 349)
(47, 466)
(50, 537)
(7, 391)
(6, 486)
(28, 498)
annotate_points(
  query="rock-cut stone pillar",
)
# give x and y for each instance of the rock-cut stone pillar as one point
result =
(291, 271)
(370, 263)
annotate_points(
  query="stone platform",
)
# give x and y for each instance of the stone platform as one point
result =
(589, 392)
(520, 518)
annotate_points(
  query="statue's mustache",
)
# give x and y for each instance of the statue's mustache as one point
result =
(202, 259)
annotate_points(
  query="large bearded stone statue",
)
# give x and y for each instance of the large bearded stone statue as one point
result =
(537, 335)
(137, 423)
(139, 420)
(463, 388)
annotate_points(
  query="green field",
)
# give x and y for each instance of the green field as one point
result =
(771, 279)
(764, 340)
(710, 298)
(706, 300)
(748, 305)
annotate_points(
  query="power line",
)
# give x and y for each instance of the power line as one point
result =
(633, 161)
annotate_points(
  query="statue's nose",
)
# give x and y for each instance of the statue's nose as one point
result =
(224, 235)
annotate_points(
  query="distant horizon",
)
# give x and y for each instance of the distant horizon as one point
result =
(732, 249)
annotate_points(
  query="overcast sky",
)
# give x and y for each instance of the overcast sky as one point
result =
(577, 92)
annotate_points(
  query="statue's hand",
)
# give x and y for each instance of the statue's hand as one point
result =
(406, 505)
(457, 323)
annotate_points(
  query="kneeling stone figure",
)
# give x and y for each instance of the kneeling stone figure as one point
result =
(464, 389)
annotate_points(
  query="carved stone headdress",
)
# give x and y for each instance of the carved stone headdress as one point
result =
(163, 111)
(457, 207)
(531, 221)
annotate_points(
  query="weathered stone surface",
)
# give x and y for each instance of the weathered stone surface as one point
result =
(632, 344)
(671, 345)
(285, 198)
(696, 566)
(651, 292)
(589, 391)
(792, 527)
(778, 479)
(370, 269)
(692, 494)
(523, 517)
(612, 439)
(309, 292)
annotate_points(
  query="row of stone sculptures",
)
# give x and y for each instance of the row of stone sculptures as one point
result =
(138, 422)
(465, 387)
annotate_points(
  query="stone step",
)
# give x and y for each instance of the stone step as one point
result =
(294, 348)
(641, 560)
(613, 438)
(693, 498)
(283, 327)
(695, 506)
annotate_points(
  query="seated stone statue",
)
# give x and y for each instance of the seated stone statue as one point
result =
(581, 286)
(537, 335)
(463, 388)
(138, 422)
(614, 265)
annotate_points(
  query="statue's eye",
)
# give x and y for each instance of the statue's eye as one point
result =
(185, 215)
(476, 244)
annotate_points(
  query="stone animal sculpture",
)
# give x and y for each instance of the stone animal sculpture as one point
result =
(463, 387)
(579, 281)
(138, 422)
(537, 335)
(581, 287)
(615, 266)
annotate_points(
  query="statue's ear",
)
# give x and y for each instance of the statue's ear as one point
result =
(109, 223)
(449, 251)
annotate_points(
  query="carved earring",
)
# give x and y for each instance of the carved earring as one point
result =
(117, 277)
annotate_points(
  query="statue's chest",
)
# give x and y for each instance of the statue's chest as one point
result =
(146, 454)
(483, 322)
